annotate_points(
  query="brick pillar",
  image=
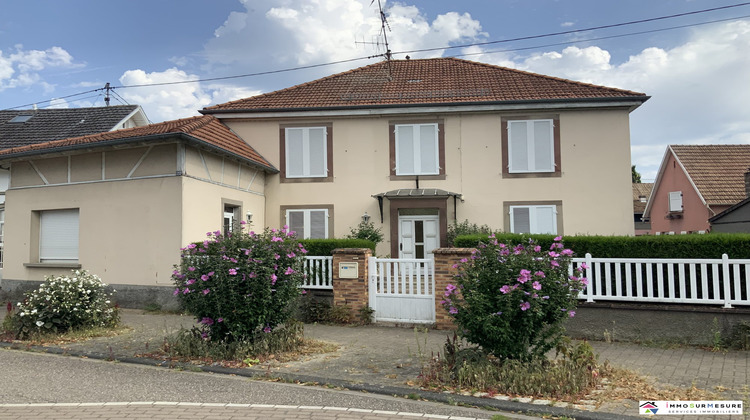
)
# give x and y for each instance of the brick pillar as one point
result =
(445, 259)
(347, 291)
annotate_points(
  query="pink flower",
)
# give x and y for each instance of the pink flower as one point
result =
(553, 254)
(276, 239)
(572, 314)
(584, 266)
(525, 306)
(204, 277)
(554, 263)
(540, 274)
(190, 281)
(505, 289)
(276, 256)
(291, 255)
(206, 291)
(453, 310)
(220, 320)
(559, 238)
(232, 272)
(273, 279)
(191, 268)
(537, 248)
(176, 292)
(463, 260)
(524, 276)
(186, 291)
(536, 285)
(267, 329)
(566, 252)
(289, 271)
(207, 321)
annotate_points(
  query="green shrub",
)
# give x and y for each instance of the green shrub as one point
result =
(368, 231)
(321, 311)
(240, 284)
(466, 228)
(512, 300)
(325, 247)
(736, 245)
(62, 304)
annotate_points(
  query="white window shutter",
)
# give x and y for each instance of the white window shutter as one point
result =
(405, 156)
(520, 220)
(295, 152)
(296, 221)
(58, 235)
(546, 220)
(543, 140)
(317, 159)
(675, 201)
(428, 149)
(518, 151)
(318, 224)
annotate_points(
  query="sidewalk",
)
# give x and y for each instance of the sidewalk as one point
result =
(384, 359)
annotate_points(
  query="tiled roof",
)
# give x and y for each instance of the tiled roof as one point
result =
(423, 82)
(55, 124)
(718, 171)
(205, 129)
(641, 190)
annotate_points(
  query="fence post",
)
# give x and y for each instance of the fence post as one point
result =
(727, 285)
(372, 273)
(590, 287)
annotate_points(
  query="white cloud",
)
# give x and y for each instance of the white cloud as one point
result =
(167, 102)
(22, 68)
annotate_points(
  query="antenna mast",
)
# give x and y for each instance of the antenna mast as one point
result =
(106, 95)
(383, 24)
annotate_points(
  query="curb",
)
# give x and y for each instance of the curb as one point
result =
(446, 398)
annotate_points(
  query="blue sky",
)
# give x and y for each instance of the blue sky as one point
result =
(697, 75)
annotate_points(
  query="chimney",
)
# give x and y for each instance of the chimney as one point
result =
(747, 183)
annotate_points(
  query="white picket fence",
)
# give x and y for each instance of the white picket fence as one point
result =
(402, 290)
(319, 273)
(695, 281)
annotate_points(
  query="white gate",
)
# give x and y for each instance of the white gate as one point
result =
(402, 290)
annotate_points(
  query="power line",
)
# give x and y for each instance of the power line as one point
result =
(312, 66)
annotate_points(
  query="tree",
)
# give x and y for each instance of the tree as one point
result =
(636, 175)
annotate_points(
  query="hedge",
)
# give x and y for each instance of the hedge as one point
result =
(325, 247)
(735, 245)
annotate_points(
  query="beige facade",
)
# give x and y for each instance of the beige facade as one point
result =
(137, 206)
(591, 189)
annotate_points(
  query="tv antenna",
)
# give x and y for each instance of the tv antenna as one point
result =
(383, 25)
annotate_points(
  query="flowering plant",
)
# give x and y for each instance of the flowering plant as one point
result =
(64, 303)
(512, 300)
(240, 284)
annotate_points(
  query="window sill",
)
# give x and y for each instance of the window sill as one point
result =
(532, 175)
(414, 177)
(52, 265)
(285, 180)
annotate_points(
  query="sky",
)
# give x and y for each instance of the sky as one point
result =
(695, 67)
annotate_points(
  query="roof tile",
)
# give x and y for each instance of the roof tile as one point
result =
(718, 171)
(423, 81)
(205, 128)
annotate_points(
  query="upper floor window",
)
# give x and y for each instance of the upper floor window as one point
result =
(533, 219)
(531, 147)
(306, 153)
(417, 149)
(675, 201)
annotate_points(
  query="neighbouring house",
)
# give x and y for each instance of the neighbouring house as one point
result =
(418, 144)
(121, 204)
(694, 184)
(641, 193)
(413, 144)
(735, 219)
(30, 126)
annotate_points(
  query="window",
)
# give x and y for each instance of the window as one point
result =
(306, 153)
(20, 118)
(58, 236)
(232, 219)
(308, 223)
(417, 149)
(675, 201)
(531, 147)
(533, 217)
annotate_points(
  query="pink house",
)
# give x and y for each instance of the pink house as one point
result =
(695, 183)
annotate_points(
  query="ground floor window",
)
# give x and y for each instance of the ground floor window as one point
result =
(58, 236)
(308, 223)
(537, 217)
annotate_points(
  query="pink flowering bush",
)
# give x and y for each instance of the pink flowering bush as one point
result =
(241, 285)
(512, 300)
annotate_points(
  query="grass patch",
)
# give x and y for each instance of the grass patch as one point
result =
(72, 336)
(283, 345)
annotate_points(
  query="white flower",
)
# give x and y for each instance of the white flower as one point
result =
(39, 323)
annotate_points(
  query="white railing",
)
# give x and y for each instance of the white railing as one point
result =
(721, 281)
(412, 276)
(319, 273)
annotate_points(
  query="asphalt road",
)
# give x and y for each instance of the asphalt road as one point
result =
(42, 378)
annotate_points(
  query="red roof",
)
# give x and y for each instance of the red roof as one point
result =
(717, 170)
(422, 82)
(205, 129)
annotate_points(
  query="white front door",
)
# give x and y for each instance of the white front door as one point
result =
(418, 236)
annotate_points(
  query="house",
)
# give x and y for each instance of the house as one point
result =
(413, 144)
(641, 192)
(418, 144)
(30, 126)
(735, 219)
(694, 184)
(121, 203)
